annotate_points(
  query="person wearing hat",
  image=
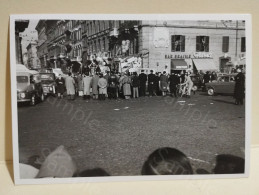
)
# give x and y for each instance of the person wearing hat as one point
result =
(151, 83)
(239, 90)
(87, 84)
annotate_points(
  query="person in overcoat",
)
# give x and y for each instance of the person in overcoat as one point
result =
(239, 90)
(70, 86)
(87, 83)
(163, 83)
(60, 86)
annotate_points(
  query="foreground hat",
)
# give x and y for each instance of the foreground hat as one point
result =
(58, 164)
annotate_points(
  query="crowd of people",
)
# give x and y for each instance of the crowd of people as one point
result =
(125, 85)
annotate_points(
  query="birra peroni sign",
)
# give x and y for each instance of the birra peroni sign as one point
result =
(196, 55)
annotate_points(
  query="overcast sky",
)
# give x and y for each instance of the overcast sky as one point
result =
(30, 34)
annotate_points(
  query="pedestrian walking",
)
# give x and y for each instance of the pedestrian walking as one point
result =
(135, 85)
(95, 86)
(102, 83)
(163, 83)
(87, 83)
(239, 90)
(70, 86)
(206, 79)
(142, 86)
(60, 86)
(126, 82)
(151, 83)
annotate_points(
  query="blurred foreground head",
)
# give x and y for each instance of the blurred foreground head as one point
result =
(167, 161)
(229, 164)
(58, 164)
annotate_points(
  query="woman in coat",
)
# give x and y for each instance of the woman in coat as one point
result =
(163, 83)
(95, 86)
(70, 86)
(87, 83)
(126, 82)
(102, 84)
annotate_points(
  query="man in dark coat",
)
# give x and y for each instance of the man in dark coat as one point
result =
(206, 79)
(239, 90)
(60, 86)
(151, 83)
(174, 80)
(113, 83)
(143, 80)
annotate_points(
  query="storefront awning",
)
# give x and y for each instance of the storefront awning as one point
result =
(179, 64)
(204, 64)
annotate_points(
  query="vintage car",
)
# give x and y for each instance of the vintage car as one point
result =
(29, 87)
(48, 83)
(224, 85)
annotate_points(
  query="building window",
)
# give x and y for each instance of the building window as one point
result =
(243, 44)
(178, 43)
(202, 43)
(225, 44)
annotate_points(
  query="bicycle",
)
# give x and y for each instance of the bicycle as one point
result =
(182, 90)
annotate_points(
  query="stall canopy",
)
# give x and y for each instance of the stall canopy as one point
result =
(179, 64)
(204, 64)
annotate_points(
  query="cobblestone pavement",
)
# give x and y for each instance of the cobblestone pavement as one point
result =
(118, 135)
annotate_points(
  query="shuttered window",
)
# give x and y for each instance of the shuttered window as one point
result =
(243, 44)
(225, 44)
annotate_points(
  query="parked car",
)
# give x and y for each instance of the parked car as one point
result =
(224, 85)
(48, 83)
(29, 87)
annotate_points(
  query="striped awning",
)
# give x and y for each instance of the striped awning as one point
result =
(204, 64)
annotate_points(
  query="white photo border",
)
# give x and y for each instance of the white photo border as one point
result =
(248, 99)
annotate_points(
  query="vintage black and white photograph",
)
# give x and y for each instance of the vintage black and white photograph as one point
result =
(112, 97)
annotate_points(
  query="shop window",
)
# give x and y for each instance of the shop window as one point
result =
(178, 43)
(202, 43)
(225, 44)
(243, 44)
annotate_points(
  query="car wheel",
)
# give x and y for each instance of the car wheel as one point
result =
(211, 91)
(33, 100)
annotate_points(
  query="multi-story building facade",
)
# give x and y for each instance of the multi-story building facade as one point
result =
(42, 49)
(193, 45)
(33, 61)
(19, 27)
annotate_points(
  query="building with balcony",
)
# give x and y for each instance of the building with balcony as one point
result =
(42, 48)
(192, 45)
(20, 26)
(33, 61)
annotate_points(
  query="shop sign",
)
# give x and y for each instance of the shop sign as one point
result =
(188, 56)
